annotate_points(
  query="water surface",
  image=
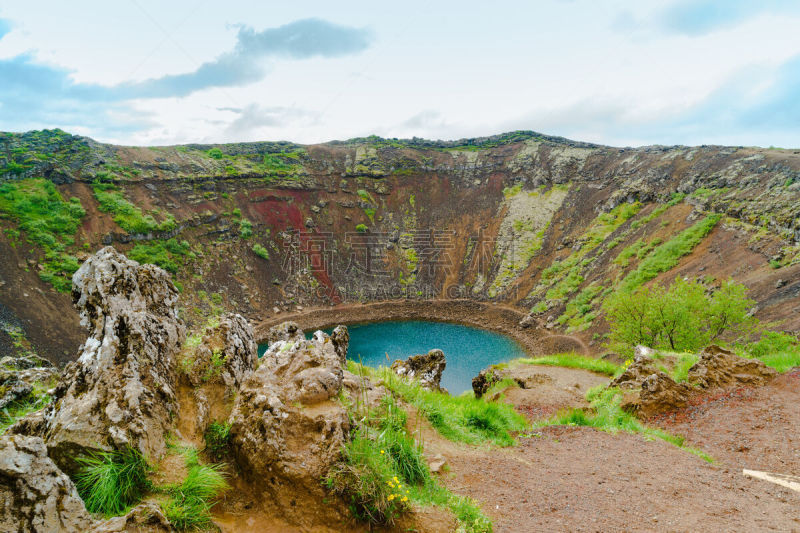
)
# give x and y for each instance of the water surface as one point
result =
(468, 350)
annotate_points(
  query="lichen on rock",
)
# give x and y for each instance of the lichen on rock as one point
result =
(426, 368)
(287, 426)
(120, 391)
(35, 496)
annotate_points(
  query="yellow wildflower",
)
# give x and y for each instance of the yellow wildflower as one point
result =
(391, 497)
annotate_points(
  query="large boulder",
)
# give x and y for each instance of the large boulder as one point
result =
(120, 391)
(637, 370)
(287, 427)
(145, 517)
(659, 393)
(426, 368)
(35, 496)
(719, 367)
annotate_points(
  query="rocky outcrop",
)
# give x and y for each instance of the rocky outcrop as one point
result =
(120, 391)
(341, 340)
(426, 368)
(287, 427)
(649, 391)
(212, 366)
(145, 517)
(285, 331)
(484, 381)
(226, 353)
(35, 496)
(659, 393)
(637, 371)
(719, 367)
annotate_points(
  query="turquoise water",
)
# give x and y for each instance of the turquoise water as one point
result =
(468, 350)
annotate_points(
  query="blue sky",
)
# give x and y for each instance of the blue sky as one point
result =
(613, 72)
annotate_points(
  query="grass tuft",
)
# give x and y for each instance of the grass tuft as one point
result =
(189, 504)
(458, 418)
(111, 482)
(218, 439)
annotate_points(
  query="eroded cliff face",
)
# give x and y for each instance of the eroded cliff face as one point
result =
(543, 224)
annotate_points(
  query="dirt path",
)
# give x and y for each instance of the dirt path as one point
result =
(581, 479)
(757, 428)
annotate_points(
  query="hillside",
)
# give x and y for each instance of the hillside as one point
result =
(539, 224)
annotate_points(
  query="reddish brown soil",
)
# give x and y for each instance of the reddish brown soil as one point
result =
(746, 427)
(581, 479)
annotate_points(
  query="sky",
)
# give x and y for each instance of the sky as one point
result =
(615, 72)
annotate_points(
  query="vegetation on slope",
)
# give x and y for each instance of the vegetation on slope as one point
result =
(573, 360)
(606, 414)
(48, 221)
(458, 418)
(127, 215)
(169, 254)
(666, 256)
(383, 471)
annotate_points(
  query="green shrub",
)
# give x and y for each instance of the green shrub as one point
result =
(680, 318)
(245, 228)
(215, 153)
(361, 228)
(111, 482)
(260, 251)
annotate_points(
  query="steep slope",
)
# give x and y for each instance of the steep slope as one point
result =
(539, 223)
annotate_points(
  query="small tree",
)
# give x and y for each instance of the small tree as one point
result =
(682, 317)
